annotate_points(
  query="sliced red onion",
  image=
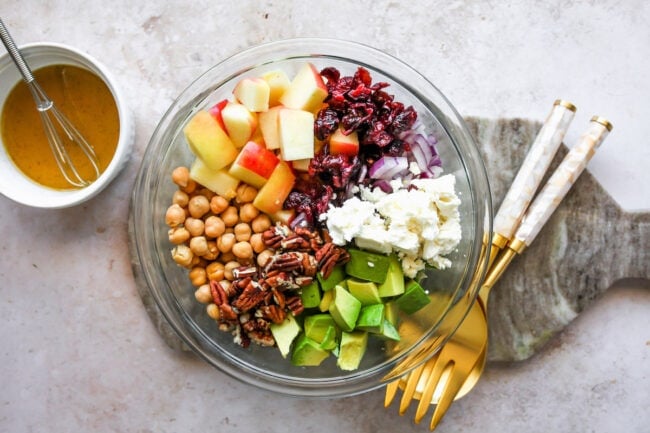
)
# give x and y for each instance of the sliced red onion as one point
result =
(423, 152)
(387, 167)
(363, 171)
(300, 220)
(383, 185)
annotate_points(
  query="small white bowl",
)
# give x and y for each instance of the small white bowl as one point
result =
(13, 183)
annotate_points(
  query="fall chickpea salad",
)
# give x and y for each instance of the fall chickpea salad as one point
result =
(312, 207)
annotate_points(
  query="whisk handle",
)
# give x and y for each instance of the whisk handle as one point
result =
(18, 59)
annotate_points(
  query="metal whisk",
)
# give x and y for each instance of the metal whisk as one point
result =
(52, 118)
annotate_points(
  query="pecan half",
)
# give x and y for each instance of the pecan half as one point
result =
(295, 305)
(274, 313)
(252, 295)
(295, 242)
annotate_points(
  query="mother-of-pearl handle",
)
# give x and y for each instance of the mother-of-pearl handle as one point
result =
(549, 198)
(560, 182)
(532, 171)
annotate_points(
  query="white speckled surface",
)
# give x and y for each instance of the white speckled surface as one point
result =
(78, 350)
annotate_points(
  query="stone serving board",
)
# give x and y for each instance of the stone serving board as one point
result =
(588, 244)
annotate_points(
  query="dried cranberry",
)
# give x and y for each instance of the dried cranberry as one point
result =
(326, 123)
(404, 120)
(336, 170)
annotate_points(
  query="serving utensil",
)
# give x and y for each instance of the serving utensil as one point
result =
(53, 121)
(511, 211)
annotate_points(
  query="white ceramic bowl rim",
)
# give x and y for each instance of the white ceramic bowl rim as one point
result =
(14, 184)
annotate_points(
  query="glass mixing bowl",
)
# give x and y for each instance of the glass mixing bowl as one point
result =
(422, 334)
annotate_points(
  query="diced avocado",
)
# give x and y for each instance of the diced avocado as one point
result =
(367, 266)
(284, 333)
(310, 295)
(388, 331)
(365, 291)
(351, 350)
(316, 326)
(344, 309)
(325, 301)
(394, 284)
(335, 277)
(413, 298)
(371, 318)
(329, 340)
(391, 312)
(307, 352)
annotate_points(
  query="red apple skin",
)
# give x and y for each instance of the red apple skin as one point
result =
(215, 111)
(254, 164)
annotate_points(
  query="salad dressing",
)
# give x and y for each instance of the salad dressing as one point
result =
(89, 104)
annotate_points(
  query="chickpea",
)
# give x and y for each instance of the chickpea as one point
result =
(230, 217)
(207, 193)
(257, 243)
(225, 242)
(199, 245)
(190, 188)
(213, 311)
(245, 193)
(248, 212)
(198, 206)
(195, 226)
(213, 251)
(228, 257)
(203, 294)
(174, 216)
(215, 271)
(218, 204)
(242, 232)
(182, 255)
(196, 261)
(178, 235)
(180, 198)
(242, 250)
(264, 257)
(198, 276)
(225, 285)
(228, 268)
(261, 223)
(214, 226)
(181, 176)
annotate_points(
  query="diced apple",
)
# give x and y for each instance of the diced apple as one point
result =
(268, 124)
(218, 181)
(307, 90)
(240, 123)
(296, 131)
(253, 93)
(254, 164)
(341, 144)
(215, 111)
(301, 164)
(209, 141)
(284, 216)
(271, 196)
(278, 83)
(257, 137)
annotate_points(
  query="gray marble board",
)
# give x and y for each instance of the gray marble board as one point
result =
(588, 244)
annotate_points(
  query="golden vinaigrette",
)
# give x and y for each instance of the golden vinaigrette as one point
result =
(87, 102)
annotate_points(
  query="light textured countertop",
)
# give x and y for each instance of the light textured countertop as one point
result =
(78, 350)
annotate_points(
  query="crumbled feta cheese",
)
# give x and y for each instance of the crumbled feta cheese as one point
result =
(421, 224)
